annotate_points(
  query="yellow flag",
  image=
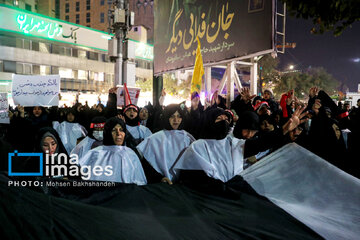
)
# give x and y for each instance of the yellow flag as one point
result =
(198, 71)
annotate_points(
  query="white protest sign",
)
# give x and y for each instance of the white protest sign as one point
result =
(4, 108)
(134, 93)
(36, 90)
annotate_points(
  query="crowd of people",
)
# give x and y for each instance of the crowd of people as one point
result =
(178, 144)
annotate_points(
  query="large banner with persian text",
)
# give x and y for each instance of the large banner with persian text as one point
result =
(227, 29)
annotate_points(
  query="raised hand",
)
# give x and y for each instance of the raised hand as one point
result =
(313, 92)
(214, 97)
(295, 120)
(316, 106)
(21, 111)
(163, 92)
(10, 114)
(113, 90)
(245, 95)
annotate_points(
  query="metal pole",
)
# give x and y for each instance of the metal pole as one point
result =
(253, 76)
(120, 34)
(208, 82)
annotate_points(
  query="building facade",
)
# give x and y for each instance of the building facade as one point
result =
(94, 14)
(35, 44)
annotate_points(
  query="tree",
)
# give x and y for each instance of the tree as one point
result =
(327, 15)
(267, 67)
(145, 85)
(301, 82)
(176, 87)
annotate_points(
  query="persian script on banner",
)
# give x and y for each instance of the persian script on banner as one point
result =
(134, 93)
(4, 108)
(35, 90)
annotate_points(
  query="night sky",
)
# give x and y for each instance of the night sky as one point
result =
(340, 56)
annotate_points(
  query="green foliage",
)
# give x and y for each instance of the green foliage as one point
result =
(327, 15)
(268, 65)
(301, 82)
(175, 87)
(145, 85)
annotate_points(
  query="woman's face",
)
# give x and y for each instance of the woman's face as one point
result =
(118, 135)
(37, 111)
(266, 126)
(70, 117)
(49, 145)
(175, 120)
(131, 113)
(144, 114)
(247, 133)
(222, 117)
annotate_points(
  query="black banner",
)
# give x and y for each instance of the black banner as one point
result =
(227, 29)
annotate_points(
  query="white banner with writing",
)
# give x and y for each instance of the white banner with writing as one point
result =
(36, 90)
(4, 108)
(134, 93)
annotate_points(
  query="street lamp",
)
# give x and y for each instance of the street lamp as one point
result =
(291, 67)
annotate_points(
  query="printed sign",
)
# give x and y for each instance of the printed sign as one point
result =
(134, 93)
(227, 30)
(4, 108)
(36, 90)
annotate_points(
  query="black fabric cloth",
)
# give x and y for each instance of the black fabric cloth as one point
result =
(274, 106)
(240, 106)
(323, 142)
(156, 211)
(212, 130)
(247, 120)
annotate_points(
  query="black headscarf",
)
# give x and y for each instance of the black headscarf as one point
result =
(73, 112)
(214, 130)
(109, 125)
(40, 137)
(168, 112)
(95, 120)
(136, 120)
(247, 120)
(40, 121)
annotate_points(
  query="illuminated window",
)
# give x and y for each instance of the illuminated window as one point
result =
(99, 76)
(27, 69)
(82, 75)
(44, 47)
(82, 54)
(66, 73)
(44, 70)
